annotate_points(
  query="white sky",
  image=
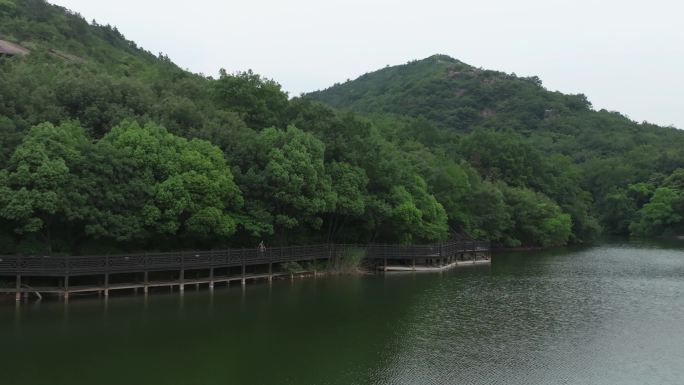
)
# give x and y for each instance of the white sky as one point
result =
(625, 55)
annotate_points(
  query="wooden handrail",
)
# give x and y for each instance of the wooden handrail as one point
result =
(122, 263)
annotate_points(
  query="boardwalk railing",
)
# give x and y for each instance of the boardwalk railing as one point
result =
(187, 260)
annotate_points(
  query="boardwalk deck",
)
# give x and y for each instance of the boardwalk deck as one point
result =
(184, 268)
(480, 261)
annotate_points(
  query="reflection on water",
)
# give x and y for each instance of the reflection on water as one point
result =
(603, 315)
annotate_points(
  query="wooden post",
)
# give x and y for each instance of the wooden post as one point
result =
(66, 287)
(106, 285)
(211, 278)
(106, 278)
(181, 286)
(441, 257)
(270, 271)
(243, 267)
(146, 282)
(385, 266)
(17, 296)
(330, 253)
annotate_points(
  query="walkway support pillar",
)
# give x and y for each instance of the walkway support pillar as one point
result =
(146, 282)
(106, 285)
(244, 282)
(211, 278)
(66, 287)
(17, 296)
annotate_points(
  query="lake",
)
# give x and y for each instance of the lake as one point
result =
(611, 314)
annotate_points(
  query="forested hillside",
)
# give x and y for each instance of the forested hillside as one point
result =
(599, 166)
(105, 147)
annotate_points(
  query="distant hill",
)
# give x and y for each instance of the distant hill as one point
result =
(457, 96)
(451, 93)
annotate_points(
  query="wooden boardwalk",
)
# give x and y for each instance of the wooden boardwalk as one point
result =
(65, 275)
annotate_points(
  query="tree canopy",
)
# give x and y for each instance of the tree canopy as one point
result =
(107, 147)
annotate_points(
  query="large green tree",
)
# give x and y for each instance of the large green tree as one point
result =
(175, 187)
(43, 191)
(283, 174)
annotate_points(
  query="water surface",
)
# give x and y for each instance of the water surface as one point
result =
(604, 315)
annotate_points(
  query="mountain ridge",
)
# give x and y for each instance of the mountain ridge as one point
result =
(413, 88)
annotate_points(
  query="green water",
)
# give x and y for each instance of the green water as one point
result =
(603, 315)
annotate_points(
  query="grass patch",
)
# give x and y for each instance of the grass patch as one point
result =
(349, 260)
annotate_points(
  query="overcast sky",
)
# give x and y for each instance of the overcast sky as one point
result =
(625, 55)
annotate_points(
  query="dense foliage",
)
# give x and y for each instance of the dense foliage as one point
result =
(105, 147)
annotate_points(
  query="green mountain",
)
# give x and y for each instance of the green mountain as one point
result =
(452, 94)
(459, 97)
(611, 156)
(105, 147)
